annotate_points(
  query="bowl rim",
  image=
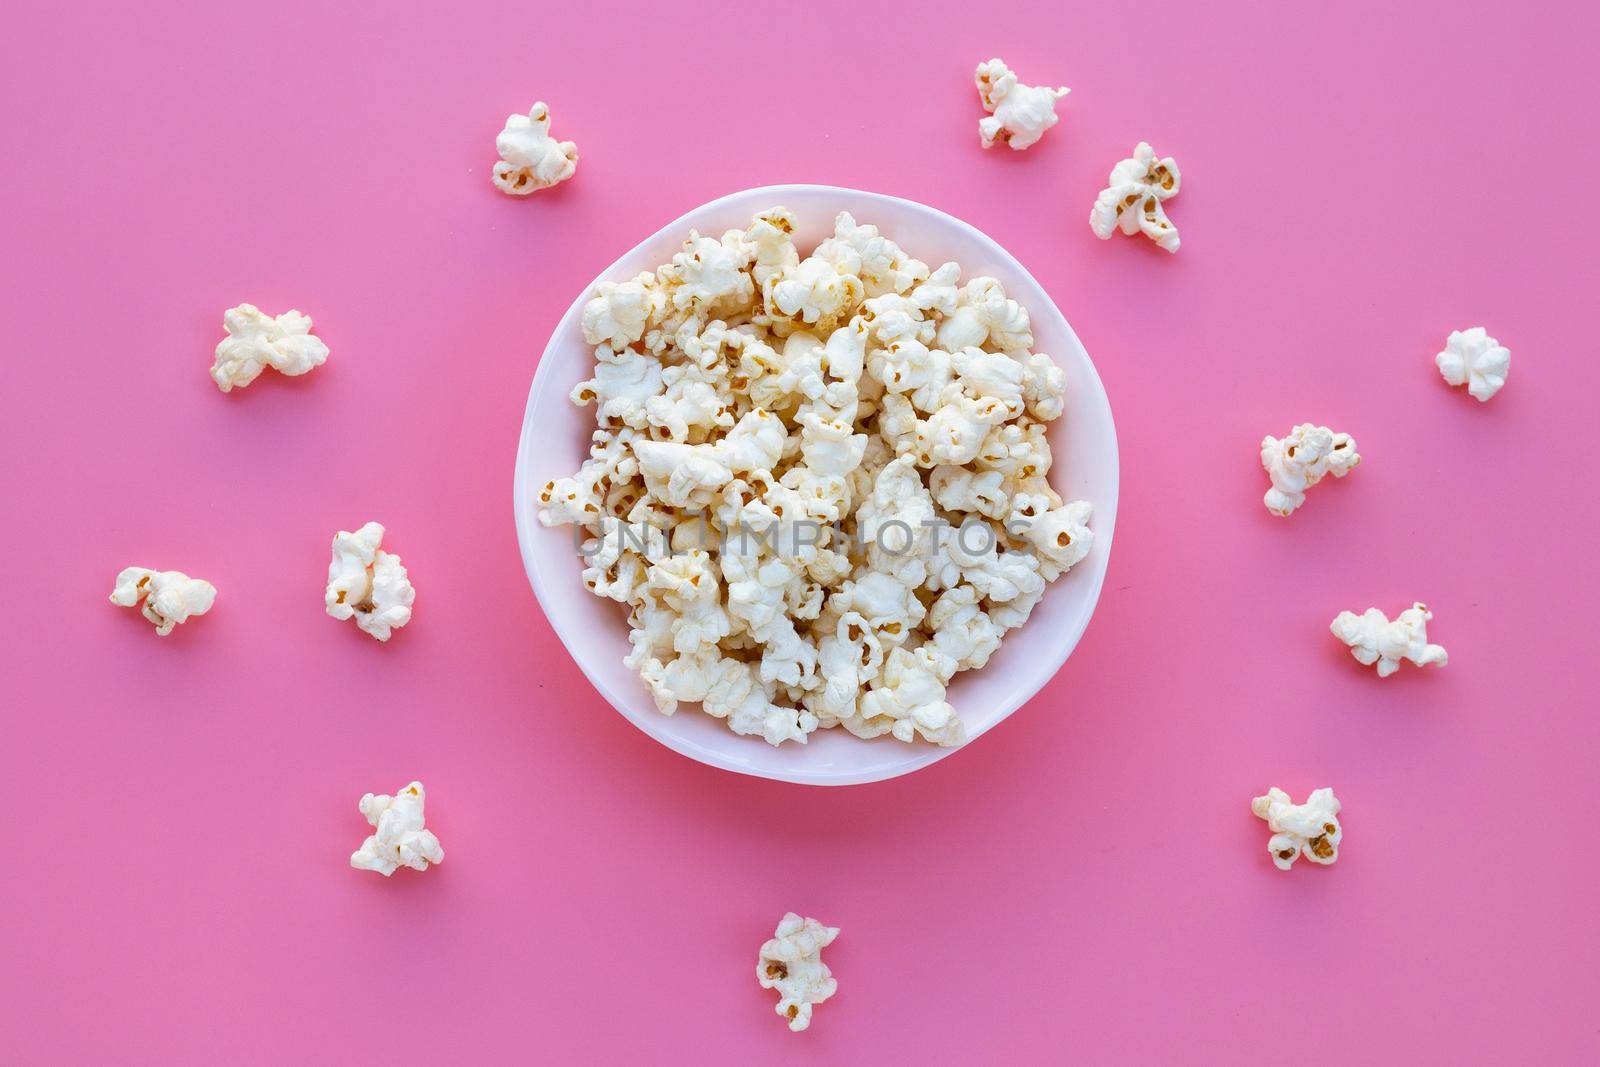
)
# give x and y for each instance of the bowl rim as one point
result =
(527, 522)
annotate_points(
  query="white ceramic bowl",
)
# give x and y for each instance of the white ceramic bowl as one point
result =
(555, 439)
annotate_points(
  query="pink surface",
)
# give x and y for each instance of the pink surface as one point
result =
(1086, 883)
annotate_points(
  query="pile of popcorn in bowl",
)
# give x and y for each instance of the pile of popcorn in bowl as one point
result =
(819, 480)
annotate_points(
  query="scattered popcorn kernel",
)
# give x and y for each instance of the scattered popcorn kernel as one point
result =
(368, 584)
(787, 448)
(1302, 459)
(1311, 829)
(1018, 114)
(1132, 201)
(400, 839)
(791, 963)
(256, 341)
(1374, 639)
(530, 159)
(168, 597)
(1474, 359)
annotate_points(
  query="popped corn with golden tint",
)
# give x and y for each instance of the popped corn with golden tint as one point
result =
(530, 159)
(1311, 829)
(1375, 639)
(791, 963)
(1132, 201)
(1018, 114)
(1301, 459)
(166, 598)
(399, 838)
(367, 584)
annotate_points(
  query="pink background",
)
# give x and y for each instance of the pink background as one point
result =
(1086, 883)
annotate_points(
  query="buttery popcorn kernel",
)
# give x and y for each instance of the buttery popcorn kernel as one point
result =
(368, 584)
(1374, 639)
(399, 838)
(1132, 201)
(1018, 114)
(257, 341)
(1474, 359)
(166, 598)
(530, 159)
(791, 963)
(1311, 829)
(1300, 460)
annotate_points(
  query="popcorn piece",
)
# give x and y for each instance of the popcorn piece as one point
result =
(958, 489)
(861, 251)
(847, 659)
(617, 314)
(1476, 360)
(400, 839)
(623, 382)
(986, 317)
(1300, 460)
(908, 700)
(754, 444)
(1060, 536)
(964, 636)
(770, 238)
(1132, 201)
(681, 476)
(1018, 114)
(1044, 386)
(791, 963)
(814, 293)
(1374, 639)
(256, 341)
(169, 597)
(368, 584)
(709, 274)
(530, 159)
(1310, 829)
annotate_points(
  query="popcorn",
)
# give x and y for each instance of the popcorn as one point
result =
(530, 159)
(368, 584)
(985, 316)
(848, 658)
(908, 700)
(770, 239)
(709, 274)
(169, 597)
(681, 475)
(783, 441)
(1476, 360)
(1132, 201)
(400, 839)
(256, 341)
(1044, 386)
(791, 963)
(618, 312)
(959, 489)
(1018, 114)
(754, 443)
(990, 375)
(1300, 460)
(863, 252)
(1060, 536)
(964, 636)
(1374, 639)
(1310, 829)
(814, 293)
(623, 380)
